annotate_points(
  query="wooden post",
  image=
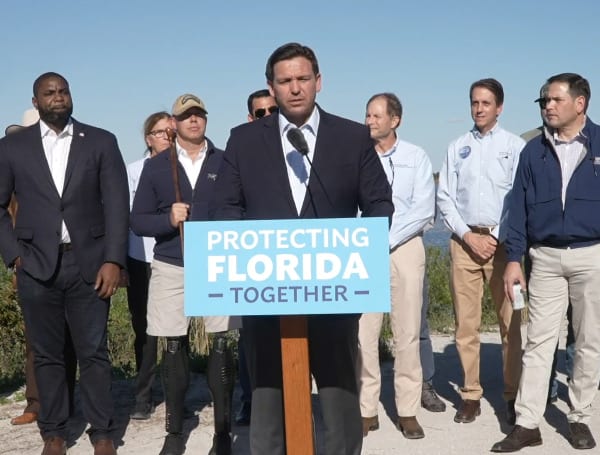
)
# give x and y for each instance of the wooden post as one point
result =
(299, 437)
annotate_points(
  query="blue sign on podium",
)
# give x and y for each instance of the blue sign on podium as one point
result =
(285, 267)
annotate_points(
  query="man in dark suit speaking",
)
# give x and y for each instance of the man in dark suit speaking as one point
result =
(263, 176)
(67, 246)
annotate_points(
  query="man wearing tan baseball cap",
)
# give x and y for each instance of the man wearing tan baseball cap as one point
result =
(191, 166)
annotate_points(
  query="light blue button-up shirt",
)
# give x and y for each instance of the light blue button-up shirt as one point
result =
(409, 172)
(476, 176)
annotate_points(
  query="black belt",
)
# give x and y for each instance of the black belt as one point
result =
(65, 247)
(482, 230)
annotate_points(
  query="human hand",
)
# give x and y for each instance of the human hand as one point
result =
(179, 213)
(482, 246)
(107, 280)
(513, 275)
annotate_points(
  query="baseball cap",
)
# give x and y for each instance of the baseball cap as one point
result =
(186, 102)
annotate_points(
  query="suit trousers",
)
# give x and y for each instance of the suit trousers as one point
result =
(145, 345)
(332, 347)
(557, 276)
(467, 276)
(31, 389)
(66, 301)
(407, 268)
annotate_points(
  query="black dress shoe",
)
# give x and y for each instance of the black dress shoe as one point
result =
(580, 436)
(511, 415)
(517, 439)
(430, 400)
(174, 445)
(221, 444)
(467, 411)
(242, 417)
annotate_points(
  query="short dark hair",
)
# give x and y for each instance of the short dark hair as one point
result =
(492, 85)
(263, 93)
(287, 52)
(578, 86)
(43, 77)
(394, 106)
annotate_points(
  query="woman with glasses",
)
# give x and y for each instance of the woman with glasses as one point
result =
(139, 257)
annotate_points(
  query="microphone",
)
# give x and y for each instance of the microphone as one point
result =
(298, 141)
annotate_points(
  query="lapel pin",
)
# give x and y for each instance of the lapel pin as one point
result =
(212, 177)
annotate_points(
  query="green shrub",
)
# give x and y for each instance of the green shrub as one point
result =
(12, 341)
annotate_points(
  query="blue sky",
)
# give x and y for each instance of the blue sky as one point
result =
(126, 59)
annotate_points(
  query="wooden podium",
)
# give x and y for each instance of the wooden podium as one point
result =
(299, 435)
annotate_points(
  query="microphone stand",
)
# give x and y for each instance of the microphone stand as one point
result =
(297, 384)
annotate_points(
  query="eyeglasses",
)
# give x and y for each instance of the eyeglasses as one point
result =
(161, 134)
(260, 113)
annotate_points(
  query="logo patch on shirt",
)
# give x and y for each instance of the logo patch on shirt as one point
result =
(596, 160)
(464, 152)
(212, 177)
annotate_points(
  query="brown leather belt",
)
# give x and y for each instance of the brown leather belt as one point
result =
(65, 247)
(483, 230)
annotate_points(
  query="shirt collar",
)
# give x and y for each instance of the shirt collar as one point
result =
(552, 133)
(391, 151)
(183, 152)
(311, 125)
(491, 132)
(46, 130)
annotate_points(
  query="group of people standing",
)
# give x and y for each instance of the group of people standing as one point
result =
(80, 225)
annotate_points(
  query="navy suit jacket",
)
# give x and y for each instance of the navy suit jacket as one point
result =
(253, 181)
(155, 194)
(94, 202)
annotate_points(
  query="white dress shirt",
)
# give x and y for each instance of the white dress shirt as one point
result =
(410, 175)
(569, 154)
(56, 149)
(297, 168)
(140, 248)
(476, 176)
(191, 168)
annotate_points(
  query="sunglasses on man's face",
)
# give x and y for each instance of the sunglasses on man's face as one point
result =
(260, 113)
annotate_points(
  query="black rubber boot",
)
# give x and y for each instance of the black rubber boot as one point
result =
(175, 374)
(220, 383)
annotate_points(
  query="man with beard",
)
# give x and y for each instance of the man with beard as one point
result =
(67, 247)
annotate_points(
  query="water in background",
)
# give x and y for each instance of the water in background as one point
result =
(438, 236)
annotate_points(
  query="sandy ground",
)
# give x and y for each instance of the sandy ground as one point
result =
(442, 435)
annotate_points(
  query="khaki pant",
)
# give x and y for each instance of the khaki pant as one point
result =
(407, 270)
(467, 276)
(557, 276)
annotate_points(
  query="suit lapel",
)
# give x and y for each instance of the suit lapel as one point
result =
(77, 146)
(39, 160)
(325, 141)
(275, 158)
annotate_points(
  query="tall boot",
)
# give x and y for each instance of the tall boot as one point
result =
(220, 383)
(175, 373)
(146, 369)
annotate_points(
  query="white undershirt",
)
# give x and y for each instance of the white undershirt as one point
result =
(56, 149)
